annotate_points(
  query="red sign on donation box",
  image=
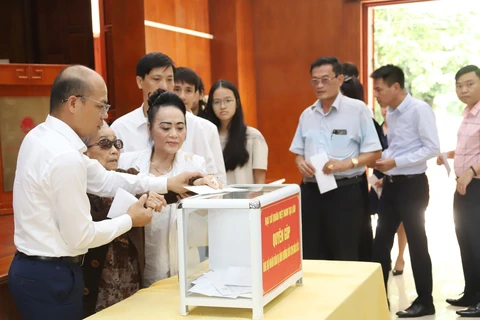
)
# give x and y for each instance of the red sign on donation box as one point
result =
(280, 241)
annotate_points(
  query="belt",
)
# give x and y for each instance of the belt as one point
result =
(349, 181)
(402, 177)
(344, 181)
(75, 260)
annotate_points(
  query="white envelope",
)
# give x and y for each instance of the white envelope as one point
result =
(446, 164)
(326, 182)
(122, 201)
(238, 276)
(208, 190)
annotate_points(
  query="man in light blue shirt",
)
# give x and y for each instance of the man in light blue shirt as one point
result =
(342, 128)
(412, 140)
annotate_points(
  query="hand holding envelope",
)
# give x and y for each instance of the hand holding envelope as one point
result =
(126, 203)
(335, 165)
(326, 182)
(443, 159)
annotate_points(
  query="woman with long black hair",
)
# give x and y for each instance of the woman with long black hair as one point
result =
(245, 150)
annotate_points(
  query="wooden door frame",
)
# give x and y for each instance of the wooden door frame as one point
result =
(366, 45)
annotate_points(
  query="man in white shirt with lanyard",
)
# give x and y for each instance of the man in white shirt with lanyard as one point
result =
(53, 225)
(155, 71)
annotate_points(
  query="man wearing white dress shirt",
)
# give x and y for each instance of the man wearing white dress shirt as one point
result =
(412, 140)
(155, 71)
(53, 225)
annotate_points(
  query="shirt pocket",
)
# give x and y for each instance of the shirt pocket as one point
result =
(315, 143)
(340, 145)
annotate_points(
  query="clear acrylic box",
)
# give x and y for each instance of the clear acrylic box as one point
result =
(239, 249)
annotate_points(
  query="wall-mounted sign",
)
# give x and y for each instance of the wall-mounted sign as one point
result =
(18, 115)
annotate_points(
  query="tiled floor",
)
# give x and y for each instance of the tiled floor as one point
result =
(444, 252)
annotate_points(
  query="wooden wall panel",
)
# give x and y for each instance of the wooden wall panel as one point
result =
(350, 50)
(185, 50)
(124, 33)
(188, 14)
(233, 54)
(13, 25)
(246, 61)
(46, 31)
(223, 24)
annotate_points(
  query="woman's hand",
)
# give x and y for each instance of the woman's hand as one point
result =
(155, 201)
(209, 180)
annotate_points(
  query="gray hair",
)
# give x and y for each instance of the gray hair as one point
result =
(87, 140)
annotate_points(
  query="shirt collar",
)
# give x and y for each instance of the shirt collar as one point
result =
(336, 104)
(405, 103)
(140, 119)
(472, 111)
(66, 131)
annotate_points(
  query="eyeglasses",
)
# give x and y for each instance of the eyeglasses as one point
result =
(227, 103)
(107, 144)
(103, 105)
(324, 81)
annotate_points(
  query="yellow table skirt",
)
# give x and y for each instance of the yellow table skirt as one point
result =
(331, 290)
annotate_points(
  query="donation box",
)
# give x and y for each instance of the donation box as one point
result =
(239, 249)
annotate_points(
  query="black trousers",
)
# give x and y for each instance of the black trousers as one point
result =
(366, 233)
(46, 289)
(331, 222)
(405, 200)
(466, 214)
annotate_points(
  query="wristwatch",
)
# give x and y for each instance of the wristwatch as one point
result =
(355, 162)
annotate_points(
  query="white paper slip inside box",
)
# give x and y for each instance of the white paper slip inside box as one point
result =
(326, 182)
(238, 276)
(208, 190)
(446, 164)
(216, 279)
(122, 201)
(212, 284)
(207, 289)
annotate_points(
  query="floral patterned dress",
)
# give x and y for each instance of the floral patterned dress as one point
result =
(112, 272)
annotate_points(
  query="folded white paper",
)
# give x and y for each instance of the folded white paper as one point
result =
(208, 190)
(372, 180)
(208, 289)
(122, 201)
(216, 279)
(238, 276)
(214, 283)
(326, 182)
(446, 164)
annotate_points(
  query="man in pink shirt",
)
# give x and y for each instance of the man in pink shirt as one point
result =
(466, 205)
